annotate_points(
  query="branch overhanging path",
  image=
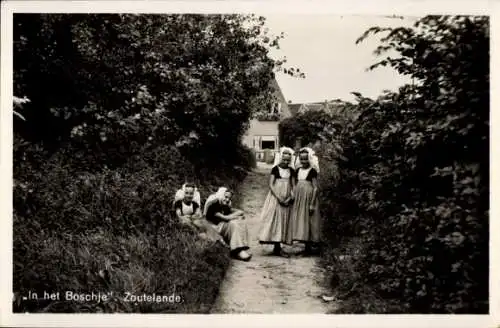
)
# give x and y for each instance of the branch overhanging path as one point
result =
(270, 284)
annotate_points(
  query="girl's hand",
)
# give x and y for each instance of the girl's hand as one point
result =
(236, 215)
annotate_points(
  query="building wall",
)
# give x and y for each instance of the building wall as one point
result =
(260, 128)
(266, 130)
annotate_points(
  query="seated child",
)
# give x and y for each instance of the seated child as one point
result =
(188, 210)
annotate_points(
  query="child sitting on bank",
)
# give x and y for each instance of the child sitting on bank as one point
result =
(187, 206)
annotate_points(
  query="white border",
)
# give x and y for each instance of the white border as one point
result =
(401, 7)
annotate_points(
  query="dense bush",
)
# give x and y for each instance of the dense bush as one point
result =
(307, 127)
(123, 110)
(98, 79)
(69, 225)
(409, 214)
(134, 198)
(316, 125)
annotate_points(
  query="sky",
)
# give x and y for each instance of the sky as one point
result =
(323, 47)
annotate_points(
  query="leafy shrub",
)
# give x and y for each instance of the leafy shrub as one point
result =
(317, 125)
(413, 188)
(307, 127)
(98, 79)
(123, 110)
(246, 157)
(101, 262)
(269, 117)
(69, 225)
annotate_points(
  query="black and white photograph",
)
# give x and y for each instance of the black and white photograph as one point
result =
(246, 162)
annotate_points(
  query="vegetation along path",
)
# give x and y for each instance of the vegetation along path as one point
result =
(270, 284)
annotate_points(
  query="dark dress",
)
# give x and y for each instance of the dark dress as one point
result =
(304, 227)
(217, 207)
(234, 232)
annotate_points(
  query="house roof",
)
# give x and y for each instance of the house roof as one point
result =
(285, 110)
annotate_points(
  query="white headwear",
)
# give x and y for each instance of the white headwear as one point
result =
(216, 197)
(279, 156)
(313, 159)
(221, 192)
(179, 195)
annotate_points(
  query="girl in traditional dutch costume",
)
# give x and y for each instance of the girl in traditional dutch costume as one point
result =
(275, 213)
(229, 222)
(187, 207)
(305, 217)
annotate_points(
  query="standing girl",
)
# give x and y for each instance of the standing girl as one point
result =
(275, 213)
(304, 216)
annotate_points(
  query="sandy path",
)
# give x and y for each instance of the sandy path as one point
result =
(270, 284)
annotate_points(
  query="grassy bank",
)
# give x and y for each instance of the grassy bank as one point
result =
(112, 232)
(115, 116)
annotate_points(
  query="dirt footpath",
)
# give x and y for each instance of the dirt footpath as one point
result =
(270, 284)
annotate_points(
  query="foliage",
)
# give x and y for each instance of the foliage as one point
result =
(311, 126)
(123, 218)
(273, 117)
(98, 79)
(102, 262)
(18, 103)
(123, 109)
(246, 157)
(414, 186)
